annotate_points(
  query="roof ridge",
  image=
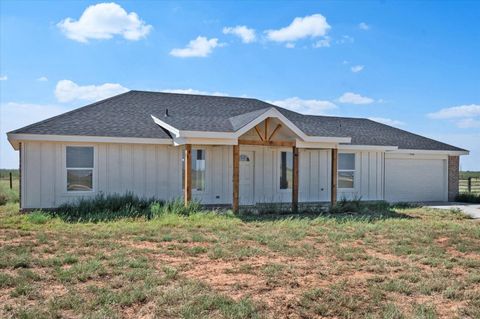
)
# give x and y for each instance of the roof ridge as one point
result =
(70, 112)
(196, 94)
(336, 117)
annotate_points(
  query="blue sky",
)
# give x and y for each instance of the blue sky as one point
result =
(414, 65)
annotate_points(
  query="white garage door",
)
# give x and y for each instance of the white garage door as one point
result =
(415, 180)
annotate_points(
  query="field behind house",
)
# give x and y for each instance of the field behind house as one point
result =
(404, 263)
(469, 177)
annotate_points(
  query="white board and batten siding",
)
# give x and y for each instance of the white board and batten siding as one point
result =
(369, 176)
(421, 178)
(146, 170)
(314, 175)
(156, 171)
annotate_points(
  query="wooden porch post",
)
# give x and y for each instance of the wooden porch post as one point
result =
(188, 174)
(295, 180)
(236, 176)
(333, 192)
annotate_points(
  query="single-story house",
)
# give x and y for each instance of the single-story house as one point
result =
(225, 151)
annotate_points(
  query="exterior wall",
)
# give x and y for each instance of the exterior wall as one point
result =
(218, 174)
(369, 176)
(453, 177)
(267, 175)
(145, 170)
(315, 176)
(156, 171)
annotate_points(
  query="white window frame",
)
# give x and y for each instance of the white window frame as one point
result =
(348, 170)
(182, 176)
(279, 168)
(65, 170)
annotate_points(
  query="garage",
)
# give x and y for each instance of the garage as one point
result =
(415, 179)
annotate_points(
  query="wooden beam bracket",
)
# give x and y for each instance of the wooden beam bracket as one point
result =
(274, 131)
(266, 129)
(258, 132)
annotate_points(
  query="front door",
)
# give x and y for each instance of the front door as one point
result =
(246, 178)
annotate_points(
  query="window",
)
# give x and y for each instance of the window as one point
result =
(346, 170)
(79, 168)
(198, 170)
(286, 169)
(244, 158)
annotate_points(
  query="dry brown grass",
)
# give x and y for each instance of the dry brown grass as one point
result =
(423, 266)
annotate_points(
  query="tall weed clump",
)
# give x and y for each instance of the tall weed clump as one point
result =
(344, 205)
(105, 207)
(112, 207)
(8, 195)
(176, 207)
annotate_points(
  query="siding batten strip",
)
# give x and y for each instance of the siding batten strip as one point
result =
(333, 199)
(295, 180)
(20, 145)
(236, 177)
(188, 174)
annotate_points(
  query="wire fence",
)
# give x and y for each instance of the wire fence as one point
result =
(470, 185)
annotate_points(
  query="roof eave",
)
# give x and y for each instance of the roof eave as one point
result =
(432, 152)
(16, 138)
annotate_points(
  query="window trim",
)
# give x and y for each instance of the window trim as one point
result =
(355, 171)
(182, 172)
(65, 170)
(279, 167)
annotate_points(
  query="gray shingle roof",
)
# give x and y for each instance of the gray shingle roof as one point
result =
(128, 115)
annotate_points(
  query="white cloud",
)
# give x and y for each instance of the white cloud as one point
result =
(246, 34)
(468, 123)
(457, 112)
(353, 98)
(103, 21)
(465, 116)
(67, 91)
(314, 107)
(357, 68)
(345, 39)
(323, 43)
(310, 26)
(387, 121)
(290, 45)
(17, 115)
(363, 26)
(193, 91)
(3, 77)
(200, 47)
(42, 79)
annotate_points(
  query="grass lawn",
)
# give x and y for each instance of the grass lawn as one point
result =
(417, 263)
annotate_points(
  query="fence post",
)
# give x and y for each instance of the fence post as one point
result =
(11, 184)
(469, 185)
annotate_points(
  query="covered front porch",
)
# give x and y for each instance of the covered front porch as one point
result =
(267, 163)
